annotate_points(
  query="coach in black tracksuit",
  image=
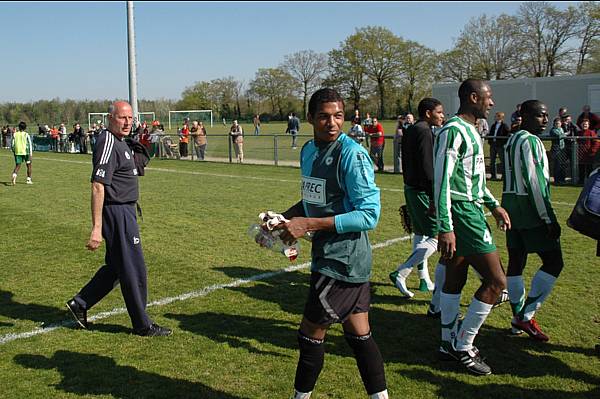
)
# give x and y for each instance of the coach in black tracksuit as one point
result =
(114, 195)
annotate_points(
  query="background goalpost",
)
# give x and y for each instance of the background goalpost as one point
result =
(201, 115)
(94, 117)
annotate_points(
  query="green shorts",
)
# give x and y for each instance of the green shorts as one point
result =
(19, 159)
(472, 232)
(532, 240)
(417, 203)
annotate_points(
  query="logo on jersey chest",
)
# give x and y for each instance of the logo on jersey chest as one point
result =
(314, 190)
(127, 155)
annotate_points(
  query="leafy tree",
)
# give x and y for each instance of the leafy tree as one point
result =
(381, 53)
(274, 84)
(418, 65)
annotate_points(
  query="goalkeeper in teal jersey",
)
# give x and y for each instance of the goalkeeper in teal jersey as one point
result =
(526, 197)
(22, 147)
(340, 203)
(464, 236)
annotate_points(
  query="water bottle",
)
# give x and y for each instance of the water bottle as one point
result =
(272, 241)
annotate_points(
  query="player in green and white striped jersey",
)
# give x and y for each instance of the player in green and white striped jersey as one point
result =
(464, 235)
(526, 197)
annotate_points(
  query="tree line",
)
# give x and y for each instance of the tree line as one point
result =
(378, 71)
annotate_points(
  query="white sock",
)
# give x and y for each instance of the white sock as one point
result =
(516, 293)
(449, 305)
(423, 248)
(476, 315)
(301, 395)
(541, 286)
(379, 395)
(440, 276)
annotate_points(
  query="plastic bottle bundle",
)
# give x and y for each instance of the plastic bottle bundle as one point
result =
(270, 239)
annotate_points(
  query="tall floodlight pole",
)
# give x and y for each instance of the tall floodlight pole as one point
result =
(132, 65)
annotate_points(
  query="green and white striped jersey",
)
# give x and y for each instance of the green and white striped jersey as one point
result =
(459, 170)
(526, 193)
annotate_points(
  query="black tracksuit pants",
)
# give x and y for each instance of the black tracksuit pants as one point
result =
(124, 265)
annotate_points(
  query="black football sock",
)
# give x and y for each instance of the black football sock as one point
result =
(312, 354)
(369, 362)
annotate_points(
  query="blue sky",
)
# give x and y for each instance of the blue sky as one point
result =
(79, 49)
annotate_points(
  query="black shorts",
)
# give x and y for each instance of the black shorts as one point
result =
(333, 301)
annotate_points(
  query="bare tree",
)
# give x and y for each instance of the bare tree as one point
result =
(457, 64)
(589, 30)
(307, 68)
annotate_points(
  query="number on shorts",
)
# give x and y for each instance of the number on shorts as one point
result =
(487, 237)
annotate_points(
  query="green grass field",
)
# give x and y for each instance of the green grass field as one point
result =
(235, 334)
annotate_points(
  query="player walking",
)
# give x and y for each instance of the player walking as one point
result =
(526, 197)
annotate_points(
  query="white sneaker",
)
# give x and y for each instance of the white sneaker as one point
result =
(400, 283)
(29, 180)
(13, 180)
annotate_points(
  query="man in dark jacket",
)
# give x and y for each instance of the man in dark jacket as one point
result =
(496, 139)
(417, 165)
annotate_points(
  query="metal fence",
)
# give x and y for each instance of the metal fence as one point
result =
(568, 165)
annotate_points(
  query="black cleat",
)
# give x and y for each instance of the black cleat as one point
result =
(503, 297)
(431, 313)
(154, 331)
(470, 359)
(78, 313)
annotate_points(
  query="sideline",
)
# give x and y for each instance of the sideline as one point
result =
(183, 297)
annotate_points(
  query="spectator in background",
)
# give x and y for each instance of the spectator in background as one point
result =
(482, 127)
(81, 138)
(496, 139)
(562, 111)
(92, 136)
(63, 137)
(255, 121)
(367, 122)
(145, 137)
(155, 134)
(293, 129)
(399, 132)
(516, 125)
(356, 117)
(356, 132)
(237, 137)
(184, 138)
(55, 135)
(588, 147)
(514, 116)
(375, 132)
(593, 119)
(557, 151)
(199, 134)
(409, 120)
(4, 134)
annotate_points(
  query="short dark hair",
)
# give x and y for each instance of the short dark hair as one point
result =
(22, 126)
(469, 86)
(324, 95)
(530, 106)
(427, 104)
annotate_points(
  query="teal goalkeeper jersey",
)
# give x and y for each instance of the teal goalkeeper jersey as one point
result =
(526, 193)
(459, 170)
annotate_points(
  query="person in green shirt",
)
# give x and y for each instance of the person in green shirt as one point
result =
(22, 147)
(535, 229)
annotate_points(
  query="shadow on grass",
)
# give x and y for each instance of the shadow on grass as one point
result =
(404, 337)
(448, 387)
(88, 374)
(29, 311)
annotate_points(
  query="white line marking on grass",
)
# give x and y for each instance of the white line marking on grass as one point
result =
(183, 297)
